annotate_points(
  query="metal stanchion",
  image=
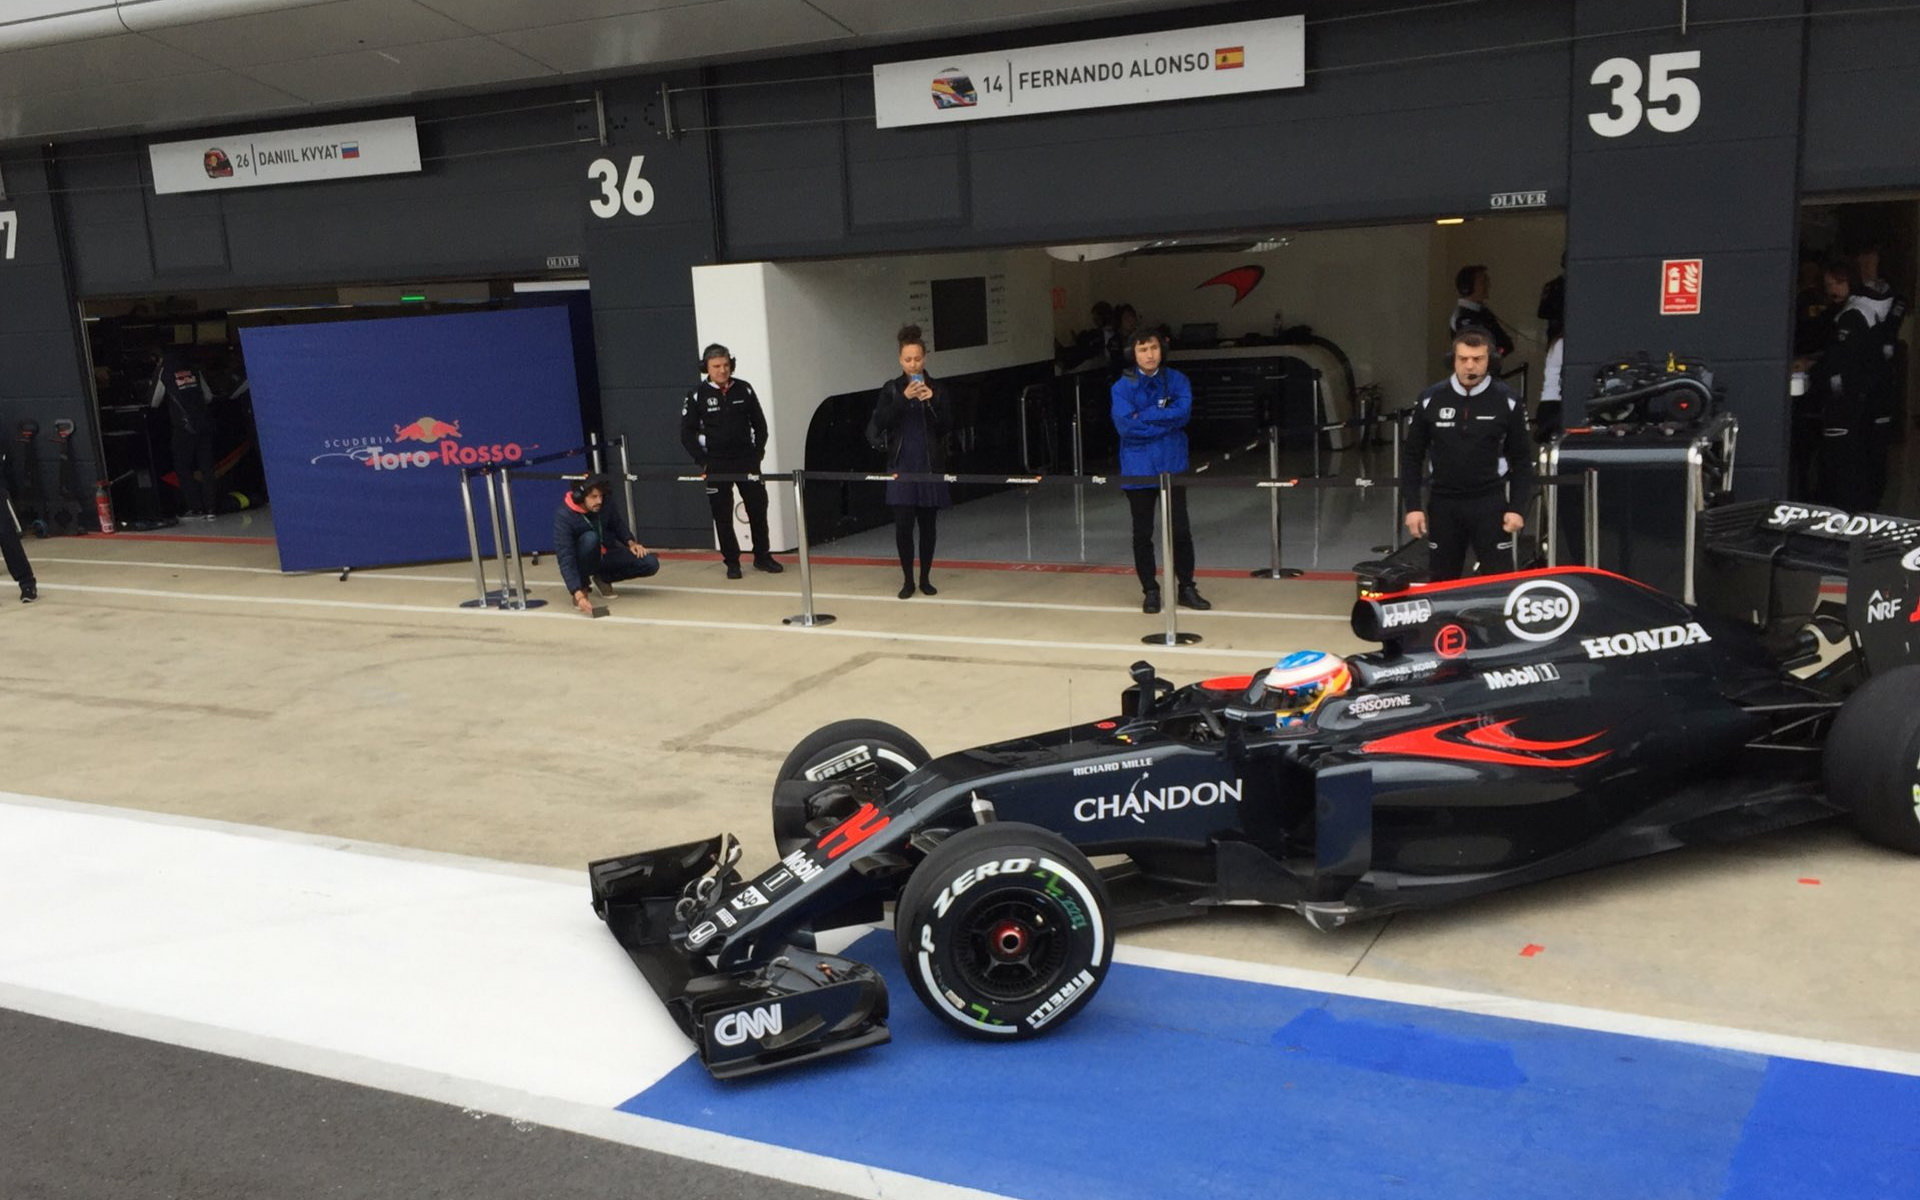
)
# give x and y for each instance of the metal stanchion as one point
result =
(1274, 570)
(1393, 508)
(1079, 469)
(626, 480)
(521, 602)
(807, 617)
(1592, 490)
(593, 452)
(1169, 589)
(480, 600)
(499, 538)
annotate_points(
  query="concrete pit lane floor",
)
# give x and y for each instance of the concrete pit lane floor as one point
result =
(193, 679)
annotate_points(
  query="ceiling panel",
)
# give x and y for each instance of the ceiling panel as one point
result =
(309, 32)
(891, 18)
(498, 16)
(99, 62)
(399, 70)
(720, 27)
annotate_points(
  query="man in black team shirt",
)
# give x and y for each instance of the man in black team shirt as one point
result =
(1472, 284)
(1475, 430)
(183, 389)
(725, 431)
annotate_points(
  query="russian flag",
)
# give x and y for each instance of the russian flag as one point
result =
(349, 149)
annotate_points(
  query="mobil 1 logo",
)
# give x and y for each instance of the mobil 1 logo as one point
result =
(1540, 610)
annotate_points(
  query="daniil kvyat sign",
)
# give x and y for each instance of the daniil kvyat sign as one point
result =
(220, 161)
(1179, 64)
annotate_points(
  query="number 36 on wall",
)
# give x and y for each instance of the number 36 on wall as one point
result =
(1671, 103)
(635, 195)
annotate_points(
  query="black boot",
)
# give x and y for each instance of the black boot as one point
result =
(926, 585)
(1190, 597)
(29, 592)
(1151, 604)
(767, 563)
(906, 590)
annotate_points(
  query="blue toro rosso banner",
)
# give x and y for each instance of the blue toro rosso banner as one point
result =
(364, 426)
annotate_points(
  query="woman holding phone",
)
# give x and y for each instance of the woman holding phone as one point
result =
(910, 422)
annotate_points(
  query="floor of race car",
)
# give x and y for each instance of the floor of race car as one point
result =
(262, 786)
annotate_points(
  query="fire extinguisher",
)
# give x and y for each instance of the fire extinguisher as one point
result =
(103, 506)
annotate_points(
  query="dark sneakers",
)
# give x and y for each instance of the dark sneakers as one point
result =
(1151, 603)
(733, 570)
(767, 563)
(1190, 597)
(29, 592)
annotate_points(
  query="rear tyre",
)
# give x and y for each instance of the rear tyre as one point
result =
(833, 754)
(1004, 932)
(1872, 760)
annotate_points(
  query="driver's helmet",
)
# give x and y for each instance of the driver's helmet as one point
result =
(1304, 680)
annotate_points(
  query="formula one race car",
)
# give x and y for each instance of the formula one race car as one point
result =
(1509, 728)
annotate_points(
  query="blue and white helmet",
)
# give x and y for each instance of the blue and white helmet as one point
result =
(1305, 678)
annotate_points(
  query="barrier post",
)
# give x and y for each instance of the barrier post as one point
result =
(1393, 508)
(807, 618)
(1169, 589)
(499, 537)
(626, 480)
(1592, 514)
(593, 452)
(1274, 570)
(473, 544)
(521, 602)
(1079, 466)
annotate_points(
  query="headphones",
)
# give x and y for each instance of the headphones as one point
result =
(716, 350)
(582, 486)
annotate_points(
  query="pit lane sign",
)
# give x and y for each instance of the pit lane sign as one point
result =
(221, 161)
(1179, 64)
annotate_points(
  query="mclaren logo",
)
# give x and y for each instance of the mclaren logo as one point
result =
(756, 1024)
(1642, 641)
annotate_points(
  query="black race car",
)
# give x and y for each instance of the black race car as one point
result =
(1509, 728)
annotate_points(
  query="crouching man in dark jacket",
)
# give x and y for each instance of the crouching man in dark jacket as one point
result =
(594, 545)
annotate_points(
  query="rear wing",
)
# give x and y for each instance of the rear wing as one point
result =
(1765, 562)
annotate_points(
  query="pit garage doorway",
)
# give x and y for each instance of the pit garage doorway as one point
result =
(1294, 328)
(128, 338)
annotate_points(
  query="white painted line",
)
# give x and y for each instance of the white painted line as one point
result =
(822, 631)
(533, 587)
(429, 975)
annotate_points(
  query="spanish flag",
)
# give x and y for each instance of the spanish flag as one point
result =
(1230, 57)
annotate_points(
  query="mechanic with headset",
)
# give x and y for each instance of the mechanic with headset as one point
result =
(1475, 429)
(724, 430)
(1856, 414)
(1151, 407)
(594, 546)
(1472, 284)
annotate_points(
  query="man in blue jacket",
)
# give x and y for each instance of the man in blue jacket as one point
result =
(1151, 407)
(594, 546)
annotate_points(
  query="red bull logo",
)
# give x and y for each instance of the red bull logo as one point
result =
(427, 430)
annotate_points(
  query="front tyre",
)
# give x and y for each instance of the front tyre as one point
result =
(834, 754)
(1004, 931)
(1872, 760)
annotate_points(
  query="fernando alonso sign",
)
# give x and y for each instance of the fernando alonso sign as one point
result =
(1180, 64)
(286, 156)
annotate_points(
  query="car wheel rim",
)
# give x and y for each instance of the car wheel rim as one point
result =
(1012, 945)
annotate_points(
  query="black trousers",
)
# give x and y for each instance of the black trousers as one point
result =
(720, 503)
(1140, 503)
(1457, 523)
(10, 547)
(905, 517)
(611, 563)
(193, 456)
(1852, 466)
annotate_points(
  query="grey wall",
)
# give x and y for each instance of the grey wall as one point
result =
(1863, 98)
(495, 194)
(640, 267)
(41, 372)
(1361, 142)
(1722, 190)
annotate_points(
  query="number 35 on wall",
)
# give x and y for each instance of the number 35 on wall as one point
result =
(1671, 104)
(635, 195)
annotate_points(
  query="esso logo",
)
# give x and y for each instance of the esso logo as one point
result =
(1541, 610)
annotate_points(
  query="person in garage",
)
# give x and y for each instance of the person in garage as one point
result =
(724, 430)
(179, 386)
(1473, 284)
(1473, 428)
(13, 552)
(1152, 404)
(1856, 415)
(911, 417)
(594, 546)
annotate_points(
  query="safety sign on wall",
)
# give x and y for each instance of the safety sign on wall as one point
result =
(1179, 64)
(1680, 287)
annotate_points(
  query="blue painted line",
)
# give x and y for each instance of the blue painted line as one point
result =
(1173, 1084)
